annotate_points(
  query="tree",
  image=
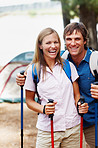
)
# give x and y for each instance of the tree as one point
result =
(65, 12)
(87, 11)
(88, 14)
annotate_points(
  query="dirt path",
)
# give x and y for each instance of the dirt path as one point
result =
(10, 126)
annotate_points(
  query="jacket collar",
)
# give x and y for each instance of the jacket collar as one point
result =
(86, 58)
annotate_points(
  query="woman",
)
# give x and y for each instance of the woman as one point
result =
(54, 84)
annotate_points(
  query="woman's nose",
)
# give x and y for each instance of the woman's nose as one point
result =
(52, 45)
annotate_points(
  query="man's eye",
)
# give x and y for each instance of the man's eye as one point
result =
(77, 39)
(68, 39)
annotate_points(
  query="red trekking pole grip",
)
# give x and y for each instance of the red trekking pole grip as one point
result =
(81, 100)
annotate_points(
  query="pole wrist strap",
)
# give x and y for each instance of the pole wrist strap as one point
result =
(44, 109)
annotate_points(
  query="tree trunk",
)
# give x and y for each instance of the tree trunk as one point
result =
(88, 17)
(66, 20)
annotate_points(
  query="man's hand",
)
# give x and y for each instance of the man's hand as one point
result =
(20, 79)
(94, 91)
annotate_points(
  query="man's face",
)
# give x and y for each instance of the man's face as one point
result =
(75, 43)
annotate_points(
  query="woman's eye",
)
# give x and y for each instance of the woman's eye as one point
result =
(56, 42)
(48, 43)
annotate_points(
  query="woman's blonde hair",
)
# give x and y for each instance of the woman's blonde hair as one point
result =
(38, 58)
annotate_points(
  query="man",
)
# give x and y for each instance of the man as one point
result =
(75, 36)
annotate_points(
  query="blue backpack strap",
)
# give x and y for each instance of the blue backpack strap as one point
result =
(67, 69)
(61, 53)
(35, 80)
(34, 74)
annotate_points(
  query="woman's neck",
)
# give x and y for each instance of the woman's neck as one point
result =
(50, 63)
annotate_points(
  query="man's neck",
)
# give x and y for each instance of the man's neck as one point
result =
(77, 59)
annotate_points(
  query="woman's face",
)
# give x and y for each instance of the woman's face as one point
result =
(50, 46)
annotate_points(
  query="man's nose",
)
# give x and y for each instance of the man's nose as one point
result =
(73, 42)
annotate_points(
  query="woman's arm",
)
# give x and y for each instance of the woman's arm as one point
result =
(49, 109)
(76, 91)
(30, 95)
(83, 108)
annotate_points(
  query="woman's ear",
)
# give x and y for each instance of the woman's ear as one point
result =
(40, 46)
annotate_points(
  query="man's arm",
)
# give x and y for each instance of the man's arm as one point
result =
(20, 79)
(83, 108)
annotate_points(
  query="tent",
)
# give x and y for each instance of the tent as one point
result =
(9, 90)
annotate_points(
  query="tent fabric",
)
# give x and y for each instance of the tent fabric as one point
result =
(9, 90)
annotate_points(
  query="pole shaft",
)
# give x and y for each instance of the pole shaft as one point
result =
(21, 138)
(81, 132)
(52, 134)
(95, 125)
(21, 117)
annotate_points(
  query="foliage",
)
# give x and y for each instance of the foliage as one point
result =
(89, 4)
(71, 7)
(87, 11)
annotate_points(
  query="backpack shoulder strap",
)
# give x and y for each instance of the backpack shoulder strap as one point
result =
(35, 80)
(34, 74)
(93, 63)
(67, 69)
(64, 54)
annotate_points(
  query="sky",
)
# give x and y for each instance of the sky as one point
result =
(16, 2)
(18, 33)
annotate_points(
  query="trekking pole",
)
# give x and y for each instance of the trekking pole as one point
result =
(82, 100)
(96, 136)
(22, 73)
(93, 63)
(96, 101)
(51, 116)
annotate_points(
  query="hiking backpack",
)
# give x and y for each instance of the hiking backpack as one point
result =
(93, 62)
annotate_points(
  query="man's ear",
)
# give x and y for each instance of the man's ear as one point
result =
(85, 42)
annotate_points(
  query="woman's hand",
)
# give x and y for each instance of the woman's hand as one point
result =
(83, 108)
(50, 108)
(94, 91)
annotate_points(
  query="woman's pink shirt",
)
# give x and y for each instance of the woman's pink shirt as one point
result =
(58, 87)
